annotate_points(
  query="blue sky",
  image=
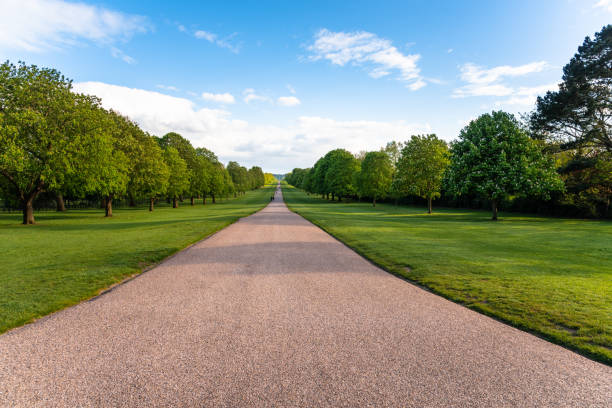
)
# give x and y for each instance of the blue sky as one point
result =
(278, 84)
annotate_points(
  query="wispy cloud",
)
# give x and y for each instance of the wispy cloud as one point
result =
(604, 4)
(490, 82)
(377, 55)
(526, 96)
(225, 42)
(167, 87)
(250, 95)
(288, 101)
(117, 53)
(43, 25)
(225, 98)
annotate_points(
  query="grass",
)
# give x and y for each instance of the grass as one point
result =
(548, 276)
(68, 257)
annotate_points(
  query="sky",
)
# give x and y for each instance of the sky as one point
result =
(277, 84)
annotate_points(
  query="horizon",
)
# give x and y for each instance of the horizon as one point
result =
(278, 85)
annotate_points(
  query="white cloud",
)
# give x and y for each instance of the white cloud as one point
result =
(201, 34)
(41, 25)
(526, 96)
(220, 98)
(474, 74)
(604, 4)
(291, 89)
(167, 87)
(489, 82)
(250, 95)
(117, 53)
(377, 54)
(288, 101)
(214, 39)
(275, 148)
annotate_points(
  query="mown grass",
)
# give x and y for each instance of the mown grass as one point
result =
(549, 276)
(68, 257)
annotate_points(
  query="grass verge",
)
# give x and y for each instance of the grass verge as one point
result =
(549, 276)
(69, 257)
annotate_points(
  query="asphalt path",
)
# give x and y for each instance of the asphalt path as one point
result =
(272, 311)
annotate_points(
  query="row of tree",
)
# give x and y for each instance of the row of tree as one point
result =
(562, 150)
(55, 140)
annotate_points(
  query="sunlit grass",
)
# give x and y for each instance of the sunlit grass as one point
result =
(68, 257)
(550, 276)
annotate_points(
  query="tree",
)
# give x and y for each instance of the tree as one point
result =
(495, 158)
(269, 178)
(217, 181)
(421, 167)
(340, 173)
(579, 114)
(189, 155)
(239, 176)
(374, 179)
(320, 171)
(149, 176)
(178, 180)
(45, 132)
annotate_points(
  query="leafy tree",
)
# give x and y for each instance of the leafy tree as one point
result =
(188, 154)
(217, 181)
(206, 160)
(320, 171)
(374, 179)
(239, 176)
(579, 114)
(306, 184)
(149, 175)
(340, 173)
(421, 167)
(494, 158)
(256, 175)
(394, 151)
(178, 180)
(269, 178)
(45, 133)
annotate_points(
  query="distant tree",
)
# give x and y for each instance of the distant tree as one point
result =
(394, 151)
(579, 114)
(149, 175)
(374, 179)
(340, 173)
(217, 181)
(320, 171)
(270, 179)
(178, 180)
(306, 184)
(421, 167)
(257, 177)
(495, 158)
(239, 176)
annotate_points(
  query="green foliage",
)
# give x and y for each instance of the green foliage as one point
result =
(494, 158)
(178, 181)
(579, 114)
(550, 276)
(374, 179)
(269, 178)
(341, 173)
(421, 167)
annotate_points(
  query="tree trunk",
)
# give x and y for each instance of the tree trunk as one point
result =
(374, 202)
(108, 208)
(332, 196)
(59, 200)
(494, 209)
(103, 202)
(428, 205)
(28, 209)
(132, 201)
(192, 200)
(213, 199)
(204, 199)
(151, 203)
(174, 202)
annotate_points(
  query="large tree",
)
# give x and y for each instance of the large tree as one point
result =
(579, 115)
(374, 179)
(421, 167)
(46, 133)
(149, 175)
(495, 158)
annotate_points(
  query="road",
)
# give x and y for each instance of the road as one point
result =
(272, 311)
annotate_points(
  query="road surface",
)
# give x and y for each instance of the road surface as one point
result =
(272, 311)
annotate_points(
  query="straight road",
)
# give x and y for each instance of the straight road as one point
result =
(272, 311)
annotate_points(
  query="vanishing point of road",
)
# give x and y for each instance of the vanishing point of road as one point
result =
(272, 311)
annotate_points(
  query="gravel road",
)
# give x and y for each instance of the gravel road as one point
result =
(272, 311)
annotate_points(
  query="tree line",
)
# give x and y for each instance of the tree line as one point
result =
(55, 140)
(560, 154)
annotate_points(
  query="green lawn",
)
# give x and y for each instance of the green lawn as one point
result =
(69, 257)
(550, 276)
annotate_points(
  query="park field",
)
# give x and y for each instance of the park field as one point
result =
(68, 257)
(548, 276)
